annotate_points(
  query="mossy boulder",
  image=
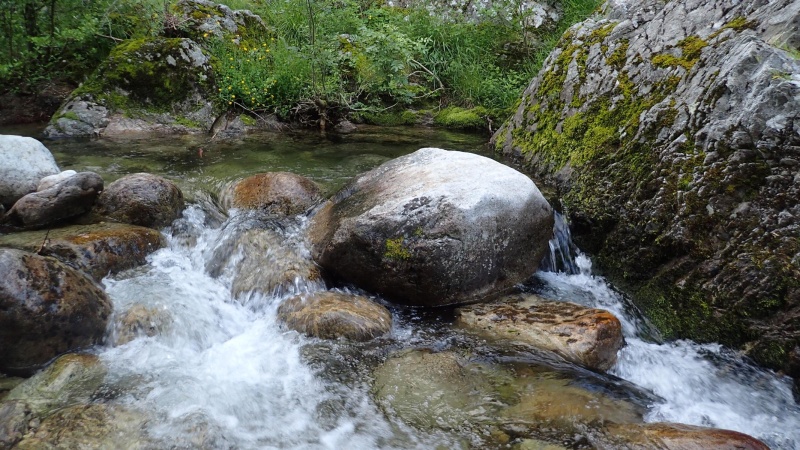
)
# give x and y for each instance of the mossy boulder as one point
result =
(675, 152)
(146, 84)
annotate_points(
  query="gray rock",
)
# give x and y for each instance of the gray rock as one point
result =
(51, 180)
(78, 117)
(671, 130)
(433, 228)
(68, 198)
(334, 314)
(142, 199)
(23, 162)
(206, 17)
(48, 309)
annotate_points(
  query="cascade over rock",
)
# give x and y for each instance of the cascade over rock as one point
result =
(671, 131)
(433, 228)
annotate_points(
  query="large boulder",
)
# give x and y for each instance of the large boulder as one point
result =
(333, 315)
(97, 250)
(142, 199)
(586, 336)
(46, 308)
(434, 228)
(168, 82)
(66, 199)
(278, 193)
(670, 129)
(23, 162)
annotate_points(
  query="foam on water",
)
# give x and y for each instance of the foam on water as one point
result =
(225, 373)
(703, 385)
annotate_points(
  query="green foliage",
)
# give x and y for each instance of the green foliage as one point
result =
(42, 40)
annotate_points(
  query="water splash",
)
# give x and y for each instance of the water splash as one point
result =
(226, 374)
(704, 385)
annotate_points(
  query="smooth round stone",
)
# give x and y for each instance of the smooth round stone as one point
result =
(142, 199)
(279, 193)
(333, 315)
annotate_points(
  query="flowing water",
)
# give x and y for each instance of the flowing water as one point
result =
(225, 374)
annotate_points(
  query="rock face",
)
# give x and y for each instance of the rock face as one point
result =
(46, 308)
(23, 162)
(433, 228)
(279, 193)
(68, 198)
(586, 336)
(169, 80)
(673, 140)
(142, 199)
(332, 315)
(96, 250)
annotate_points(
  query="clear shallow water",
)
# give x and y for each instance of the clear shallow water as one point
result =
(226, 375)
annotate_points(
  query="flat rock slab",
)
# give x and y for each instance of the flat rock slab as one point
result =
(586, 336)
(94, 249)
(333, 314)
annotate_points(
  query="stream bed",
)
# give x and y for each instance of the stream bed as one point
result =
(226, 374)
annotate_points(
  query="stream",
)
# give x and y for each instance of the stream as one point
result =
(225, 374)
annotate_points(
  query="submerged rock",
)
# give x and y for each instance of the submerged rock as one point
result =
(264, 260)
(97, 249)
(278, 193)
(670, 129)
(23, 162)
(434, 228)
(90, 426)
(447, 391)
(333, 315)
(71, 197)
(140, 321)
(586, 336)
(46, 308)
(71, 379)
(142, 199)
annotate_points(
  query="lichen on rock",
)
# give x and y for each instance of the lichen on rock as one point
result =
(673, 142)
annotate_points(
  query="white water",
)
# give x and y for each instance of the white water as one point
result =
(226, 375)
(703, 385)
